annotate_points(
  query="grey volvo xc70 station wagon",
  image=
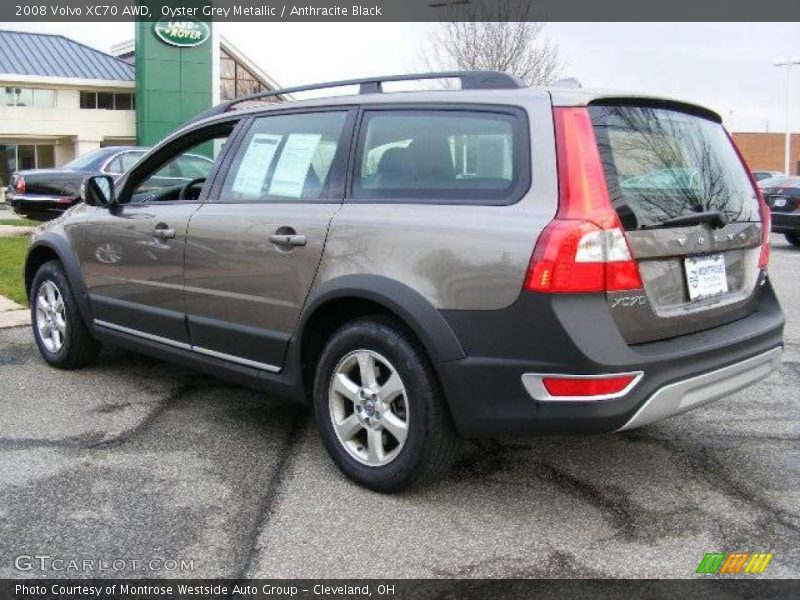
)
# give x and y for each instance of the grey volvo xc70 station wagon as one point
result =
(430, 265)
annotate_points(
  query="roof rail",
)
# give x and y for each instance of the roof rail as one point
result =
(470, 80)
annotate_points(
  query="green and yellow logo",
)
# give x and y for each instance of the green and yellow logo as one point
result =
(734, 563)
(183, 34)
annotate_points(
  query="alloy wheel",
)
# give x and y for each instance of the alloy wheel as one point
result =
(369, 407)
(51, 317)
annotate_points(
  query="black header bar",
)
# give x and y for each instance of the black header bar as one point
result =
(400, 10)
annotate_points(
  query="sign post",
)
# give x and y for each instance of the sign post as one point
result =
(173, 75)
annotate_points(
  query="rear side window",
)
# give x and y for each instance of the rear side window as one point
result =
(662, 164)
(449, 156)
(123, 162)
(285, 158)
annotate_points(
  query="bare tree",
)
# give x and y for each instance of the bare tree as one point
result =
(493, 35)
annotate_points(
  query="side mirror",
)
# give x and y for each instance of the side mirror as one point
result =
(98, 190)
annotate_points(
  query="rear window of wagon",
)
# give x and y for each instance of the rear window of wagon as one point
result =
(662, 163)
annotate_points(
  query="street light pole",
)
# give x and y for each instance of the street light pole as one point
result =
(787, 149)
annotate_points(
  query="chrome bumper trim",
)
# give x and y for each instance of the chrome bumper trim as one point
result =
(534, 385)
(679, 397)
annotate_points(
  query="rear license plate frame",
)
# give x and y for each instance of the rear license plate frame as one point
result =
(706, 276)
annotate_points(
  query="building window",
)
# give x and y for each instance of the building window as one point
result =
(14, 96)
(24, 156)
(107, 101)
(236, 80)
(88, 99)
(123, 101)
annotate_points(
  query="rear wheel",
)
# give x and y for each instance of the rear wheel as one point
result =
(58, 327)
(792, 238)
(379, 409)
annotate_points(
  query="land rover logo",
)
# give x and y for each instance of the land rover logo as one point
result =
(183, 34)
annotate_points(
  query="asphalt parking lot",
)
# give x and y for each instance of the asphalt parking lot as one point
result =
(137, 460)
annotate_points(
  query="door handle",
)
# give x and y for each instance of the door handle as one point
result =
(164, 232)
(290, 239)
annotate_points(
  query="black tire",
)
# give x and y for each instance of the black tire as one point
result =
(78, 347)
(431, 445)
(793, 239)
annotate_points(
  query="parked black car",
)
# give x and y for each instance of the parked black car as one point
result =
(783, 198)
(46, 193)
(762, 175)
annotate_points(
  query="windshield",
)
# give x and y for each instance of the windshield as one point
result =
(663, 164)
(86, 160)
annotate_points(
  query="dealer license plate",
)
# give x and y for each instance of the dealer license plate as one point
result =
(705, 276)
(779, 202)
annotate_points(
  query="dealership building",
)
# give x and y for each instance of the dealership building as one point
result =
(61, 98)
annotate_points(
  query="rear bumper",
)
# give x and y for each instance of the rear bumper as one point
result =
(576, 335)
(681, 396)
(39, 204)
(785, 222)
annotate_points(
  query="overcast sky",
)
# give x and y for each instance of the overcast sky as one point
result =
(726, 66)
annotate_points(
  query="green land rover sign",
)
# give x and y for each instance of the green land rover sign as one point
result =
(183, 34)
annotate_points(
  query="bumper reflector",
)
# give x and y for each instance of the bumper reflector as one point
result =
(585, 386)
(560, 387)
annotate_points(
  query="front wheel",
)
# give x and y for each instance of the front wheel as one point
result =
(58, 327)
(379, 409)
(792, 238)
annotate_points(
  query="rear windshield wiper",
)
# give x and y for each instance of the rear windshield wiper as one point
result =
(713, 217)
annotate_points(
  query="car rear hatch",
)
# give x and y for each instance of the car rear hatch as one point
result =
(691, 215)
(41, 182)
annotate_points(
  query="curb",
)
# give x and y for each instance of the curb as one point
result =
(15, 230)
(13, 314)
(15, 318)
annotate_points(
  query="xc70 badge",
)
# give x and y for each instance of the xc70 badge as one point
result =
(629, 301)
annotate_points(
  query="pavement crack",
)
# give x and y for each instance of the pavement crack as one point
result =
(701, 461)
(274, 488)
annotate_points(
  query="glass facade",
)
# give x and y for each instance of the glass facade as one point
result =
(236, 80)
(15, 157)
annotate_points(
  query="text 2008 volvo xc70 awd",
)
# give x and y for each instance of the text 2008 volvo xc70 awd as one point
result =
(430, 265)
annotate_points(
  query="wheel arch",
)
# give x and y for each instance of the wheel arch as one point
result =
(49, 248)
(351, 296)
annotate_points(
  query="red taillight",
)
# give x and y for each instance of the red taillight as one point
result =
(584, 249)
(65, 200)
(763, 209)
(766, 227)
(19, 187)
(587, 386)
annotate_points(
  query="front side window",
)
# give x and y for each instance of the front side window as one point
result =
(193, 166)
(436, 155)
(164, 180)
(285, 158)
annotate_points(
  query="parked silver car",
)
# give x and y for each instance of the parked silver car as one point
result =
(427, 266)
